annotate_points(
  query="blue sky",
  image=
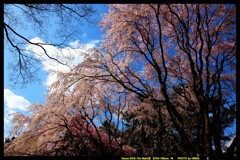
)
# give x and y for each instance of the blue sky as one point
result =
(18, 99)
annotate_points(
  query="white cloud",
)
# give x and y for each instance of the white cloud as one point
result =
(14, 102)
(70, 56)
(75, 44)
(51, 78)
